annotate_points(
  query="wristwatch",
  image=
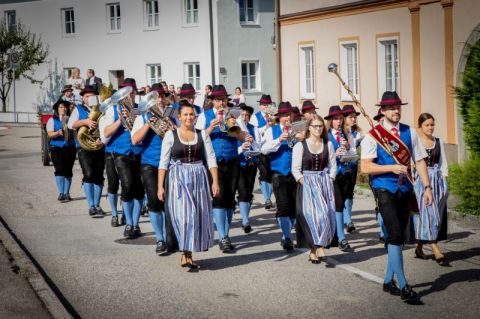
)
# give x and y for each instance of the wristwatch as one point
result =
(428, 186)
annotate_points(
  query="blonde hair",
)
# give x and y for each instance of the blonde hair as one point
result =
(76, 71)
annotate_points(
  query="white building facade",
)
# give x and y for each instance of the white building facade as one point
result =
(149, 40)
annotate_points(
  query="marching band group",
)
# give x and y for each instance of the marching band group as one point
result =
(190, 162)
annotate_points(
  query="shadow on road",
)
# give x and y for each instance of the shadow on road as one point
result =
(445, 280)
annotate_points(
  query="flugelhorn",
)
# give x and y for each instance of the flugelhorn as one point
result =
(223, 116)
(123, 101)
(333, 68)
(162, 124)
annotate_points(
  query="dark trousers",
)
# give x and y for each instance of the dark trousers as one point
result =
(93, 164)
(264, 168)
(150, 183)
(342, 189)
(395, 213)
(63, 159)
(128, 168)
(228, 173)
(285, 190)
(112, 175)
(246, 182)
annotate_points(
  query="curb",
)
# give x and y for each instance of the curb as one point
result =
(10, 124)
(35, 277)
(469, 219)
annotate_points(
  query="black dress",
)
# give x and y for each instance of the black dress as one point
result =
(310, 162)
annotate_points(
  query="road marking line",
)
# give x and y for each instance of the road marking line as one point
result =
(356, 271)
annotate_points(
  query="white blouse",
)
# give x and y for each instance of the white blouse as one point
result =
(167, 145)
(297, 156)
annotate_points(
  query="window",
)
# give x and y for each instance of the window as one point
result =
(247, 11)
(250, 76)
(192, 74)
(11, 20)
(190, 8)
(68, 21)
(67, 72)
(307, 72)
(113, 17)
(151, 19)
(154, 73)
(349, 68)
(388, 71)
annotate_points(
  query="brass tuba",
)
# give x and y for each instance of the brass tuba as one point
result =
(87, 137)
(162, 124)
(123, 101)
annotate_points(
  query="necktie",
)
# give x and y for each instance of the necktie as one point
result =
(337, 134)
(394, 131)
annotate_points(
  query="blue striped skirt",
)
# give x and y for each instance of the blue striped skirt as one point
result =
(190, 205)
(428, 221)
(318, 206)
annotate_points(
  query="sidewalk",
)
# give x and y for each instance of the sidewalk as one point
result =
(18, 300)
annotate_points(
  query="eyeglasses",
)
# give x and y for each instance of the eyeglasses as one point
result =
(316, 126)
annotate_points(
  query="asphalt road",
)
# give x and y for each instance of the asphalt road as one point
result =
(104, 276)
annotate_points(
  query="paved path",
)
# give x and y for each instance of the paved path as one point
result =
(102, 275)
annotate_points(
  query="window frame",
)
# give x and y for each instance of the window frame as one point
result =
(118, 19)
(67, 72)
(185, 13)
(158, 71)
(255, 13)
(196, 77)
(344, 70)
(64, 22)
(257, 75)
(7, 14)
(304, 95)
(382, 41)
(146, 15)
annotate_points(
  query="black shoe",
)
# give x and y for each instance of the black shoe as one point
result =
(136, 231)
(420, 255)
(92, 211)
(350, 227)
(161, 247)
(442, 261)
(391, 288)
(123, 220)
(344, 245)
(408, 294)
(288, 245)
(144, 211)
(114, 222)
(66, 198)
(128, 232)
(61, 197)
(268, 204)
(247, 228)
(224, 245)
(381, 239)
(99, 211)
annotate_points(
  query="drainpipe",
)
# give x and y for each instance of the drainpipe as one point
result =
(212, 47)
(278, 55)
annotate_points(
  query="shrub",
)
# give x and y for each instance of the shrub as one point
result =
(464, 181)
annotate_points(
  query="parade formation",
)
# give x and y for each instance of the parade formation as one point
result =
(192, 166)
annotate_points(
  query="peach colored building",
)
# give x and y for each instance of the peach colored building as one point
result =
(416, 47)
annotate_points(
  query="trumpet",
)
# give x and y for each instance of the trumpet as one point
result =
(224, 116)
(292, 129)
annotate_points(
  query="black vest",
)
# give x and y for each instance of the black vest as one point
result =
(188, 153)
(314, 162)
(433, 154)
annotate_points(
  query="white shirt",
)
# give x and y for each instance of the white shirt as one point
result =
(138, 124)
(167, 145)
(202, 121)
(254, 122)
(270, 145)
(51, 125)
(73, 118)
(369, 145)
(109, 117)
(443, 159)
(297, 156)
(101, 129)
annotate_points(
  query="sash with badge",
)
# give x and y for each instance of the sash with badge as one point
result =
(395, 147)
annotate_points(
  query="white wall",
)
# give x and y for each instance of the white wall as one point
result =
(133, 48)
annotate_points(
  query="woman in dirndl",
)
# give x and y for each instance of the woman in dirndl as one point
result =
(430, 225)
(314, 167)
(186, 154)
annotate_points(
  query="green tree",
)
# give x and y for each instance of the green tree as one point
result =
(468, 98)
(32, 54)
